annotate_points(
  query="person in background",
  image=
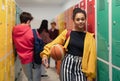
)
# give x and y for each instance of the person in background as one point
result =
(53, 32)
(79, 63)
(44, 33)
(24, 44)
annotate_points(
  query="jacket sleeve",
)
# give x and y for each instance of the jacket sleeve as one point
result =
(59, 40)
(92, 60)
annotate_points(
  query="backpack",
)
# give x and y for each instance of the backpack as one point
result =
(38, 47)
(68, 33)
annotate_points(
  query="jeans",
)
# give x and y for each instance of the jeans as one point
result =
(32, 74)
(27, 69)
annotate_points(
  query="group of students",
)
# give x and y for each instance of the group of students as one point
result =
(79, 63)
(24, 44)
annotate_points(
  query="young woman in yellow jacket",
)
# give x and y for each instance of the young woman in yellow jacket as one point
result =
(79, 63)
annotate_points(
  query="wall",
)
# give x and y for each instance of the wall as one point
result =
(47, 12)
(70, 3)
(39, 13)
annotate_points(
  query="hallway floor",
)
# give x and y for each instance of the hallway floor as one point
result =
(51, 72)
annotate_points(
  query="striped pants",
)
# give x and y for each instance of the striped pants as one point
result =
(71, 69)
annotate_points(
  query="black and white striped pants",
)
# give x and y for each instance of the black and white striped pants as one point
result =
(71, 69)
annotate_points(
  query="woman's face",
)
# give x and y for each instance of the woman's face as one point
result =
(79, 21)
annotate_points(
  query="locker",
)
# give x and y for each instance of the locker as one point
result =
(13, 11)
(116, 32)
(102, 30)
(2, 71)
(83, 4)
(76, 6)
(91, 16)
(70, 21)
(116, 74)
(12, 59)
(12, 67)
(60, 22)
(7, 67)
(102, 71)
(18, 11)
(9, 26)
(66, 18)
(0, 10)
(2, 27)
(12, 73)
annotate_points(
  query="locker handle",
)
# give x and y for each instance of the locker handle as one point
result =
(114, 22)
(98, 24)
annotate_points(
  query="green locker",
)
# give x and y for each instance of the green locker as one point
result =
(116, 74)
(116, 33)
(102, 29)
(18, 11)
(102, 71)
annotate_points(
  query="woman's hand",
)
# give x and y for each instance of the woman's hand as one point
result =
(90, 79)
(45, 61)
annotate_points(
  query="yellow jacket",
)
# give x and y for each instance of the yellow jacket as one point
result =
(89, 53)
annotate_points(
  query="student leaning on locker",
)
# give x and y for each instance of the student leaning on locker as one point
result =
(79, 63)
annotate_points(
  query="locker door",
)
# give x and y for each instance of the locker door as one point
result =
(102, 40)
(91, 16)
(70, 10)
(83, 4)
(102, 29)
(115, 74)
(103, 71)
(9, 25)
(2, 28)
(116, 32)
(116, 39)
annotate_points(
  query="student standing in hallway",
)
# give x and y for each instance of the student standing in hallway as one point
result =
(24, 44)
(79, 63)
(53, 31)
(44, 33)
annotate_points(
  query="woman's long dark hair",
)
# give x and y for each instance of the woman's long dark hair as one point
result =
(43, 26)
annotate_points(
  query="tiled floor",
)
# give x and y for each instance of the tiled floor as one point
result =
(52, 76)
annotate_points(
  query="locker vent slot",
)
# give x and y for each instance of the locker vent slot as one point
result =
(90, 9)
(117, 2)
(101, 5)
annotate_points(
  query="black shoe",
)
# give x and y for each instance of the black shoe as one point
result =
(44, 75)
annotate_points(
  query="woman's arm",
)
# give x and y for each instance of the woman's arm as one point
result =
(46, 52)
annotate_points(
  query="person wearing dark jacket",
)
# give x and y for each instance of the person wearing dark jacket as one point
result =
(44, 33)
(53, 32)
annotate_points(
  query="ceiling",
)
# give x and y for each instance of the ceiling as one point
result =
(34, 3)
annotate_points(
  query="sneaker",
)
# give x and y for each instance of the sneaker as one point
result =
(44, 75)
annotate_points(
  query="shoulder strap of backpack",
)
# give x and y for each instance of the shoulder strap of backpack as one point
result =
(34, 33)
(68, 33)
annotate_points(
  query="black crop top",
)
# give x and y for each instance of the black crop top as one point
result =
(76, 44)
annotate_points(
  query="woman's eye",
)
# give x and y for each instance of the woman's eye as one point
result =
(78, 19)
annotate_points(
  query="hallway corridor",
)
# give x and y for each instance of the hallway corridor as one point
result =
(52, 75)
